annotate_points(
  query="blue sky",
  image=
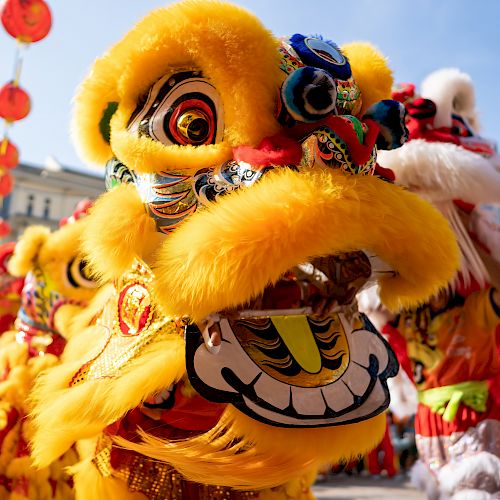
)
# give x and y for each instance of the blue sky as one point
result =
(418, 36)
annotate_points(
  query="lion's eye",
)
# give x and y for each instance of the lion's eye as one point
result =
(78, 274)
(183, 109)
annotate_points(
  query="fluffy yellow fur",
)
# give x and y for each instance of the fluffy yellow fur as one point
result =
(234, 51)
(223, 256)
(64, 414)
(52, 253)
(371, 72)
(118, 229)
(243, 453)
(27, 248)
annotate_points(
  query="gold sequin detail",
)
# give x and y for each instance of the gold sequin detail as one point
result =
(120, 348)
(158, 480)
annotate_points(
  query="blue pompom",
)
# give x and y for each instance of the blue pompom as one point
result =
(320, 53)
(309, 94)
(390, 116)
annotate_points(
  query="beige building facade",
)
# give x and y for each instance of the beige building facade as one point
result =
(46, 195)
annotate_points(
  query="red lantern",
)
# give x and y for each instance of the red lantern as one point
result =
(14, 102)
(27, 20)
(4, 228)
(9, 154)
(6, 184)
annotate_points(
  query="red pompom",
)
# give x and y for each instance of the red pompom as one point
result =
(27, 20)
(404, 92)
(4, 228)
(14, 102)
(6, 184)
(9, 155)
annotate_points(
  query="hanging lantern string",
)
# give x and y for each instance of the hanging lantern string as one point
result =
(18, 67)
(5, 139)
(18, 61)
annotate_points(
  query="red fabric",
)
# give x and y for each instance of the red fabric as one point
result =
(360, 152)
(385, 173)
(428, 423)
(275, 150)
(398, 344)
(375, 466)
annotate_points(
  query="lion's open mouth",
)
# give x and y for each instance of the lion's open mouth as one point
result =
(300, 354)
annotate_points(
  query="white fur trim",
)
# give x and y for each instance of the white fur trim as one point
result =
(404, 397)
(471, 263)
(480, 471)
(422, 478)
(442, 171)
(472, 495)
(453, 92)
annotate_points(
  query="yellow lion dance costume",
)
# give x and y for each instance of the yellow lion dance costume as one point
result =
(56, 287)
(228, 359)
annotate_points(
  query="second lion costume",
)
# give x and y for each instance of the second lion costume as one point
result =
(245, 210)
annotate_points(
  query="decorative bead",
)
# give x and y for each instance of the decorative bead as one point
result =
(4, 228)
(6, 184)
(27, 20)
(9, 154)
(14, 102)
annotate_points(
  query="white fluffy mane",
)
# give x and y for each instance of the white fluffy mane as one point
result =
(443, 171)
(453, 92)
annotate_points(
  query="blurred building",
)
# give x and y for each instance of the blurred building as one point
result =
(45, 195)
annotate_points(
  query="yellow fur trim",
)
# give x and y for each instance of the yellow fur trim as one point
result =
(233, 50)
(371, 72)
(223, 256)
(242, 453)
(118, 230)
(27, 249)
(65, 414)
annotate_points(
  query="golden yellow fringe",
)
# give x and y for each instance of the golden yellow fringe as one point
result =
(242, 453)
(64, 414)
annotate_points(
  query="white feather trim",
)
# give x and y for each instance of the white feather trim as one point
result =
(453, 92)
(442, 171)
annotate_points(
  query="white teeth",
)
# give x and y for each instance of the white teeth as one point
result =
(308, 400)
(337, 396)
(358, 378)
(372, 404)
(270, 389)
(310, 403)
(211, 334)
